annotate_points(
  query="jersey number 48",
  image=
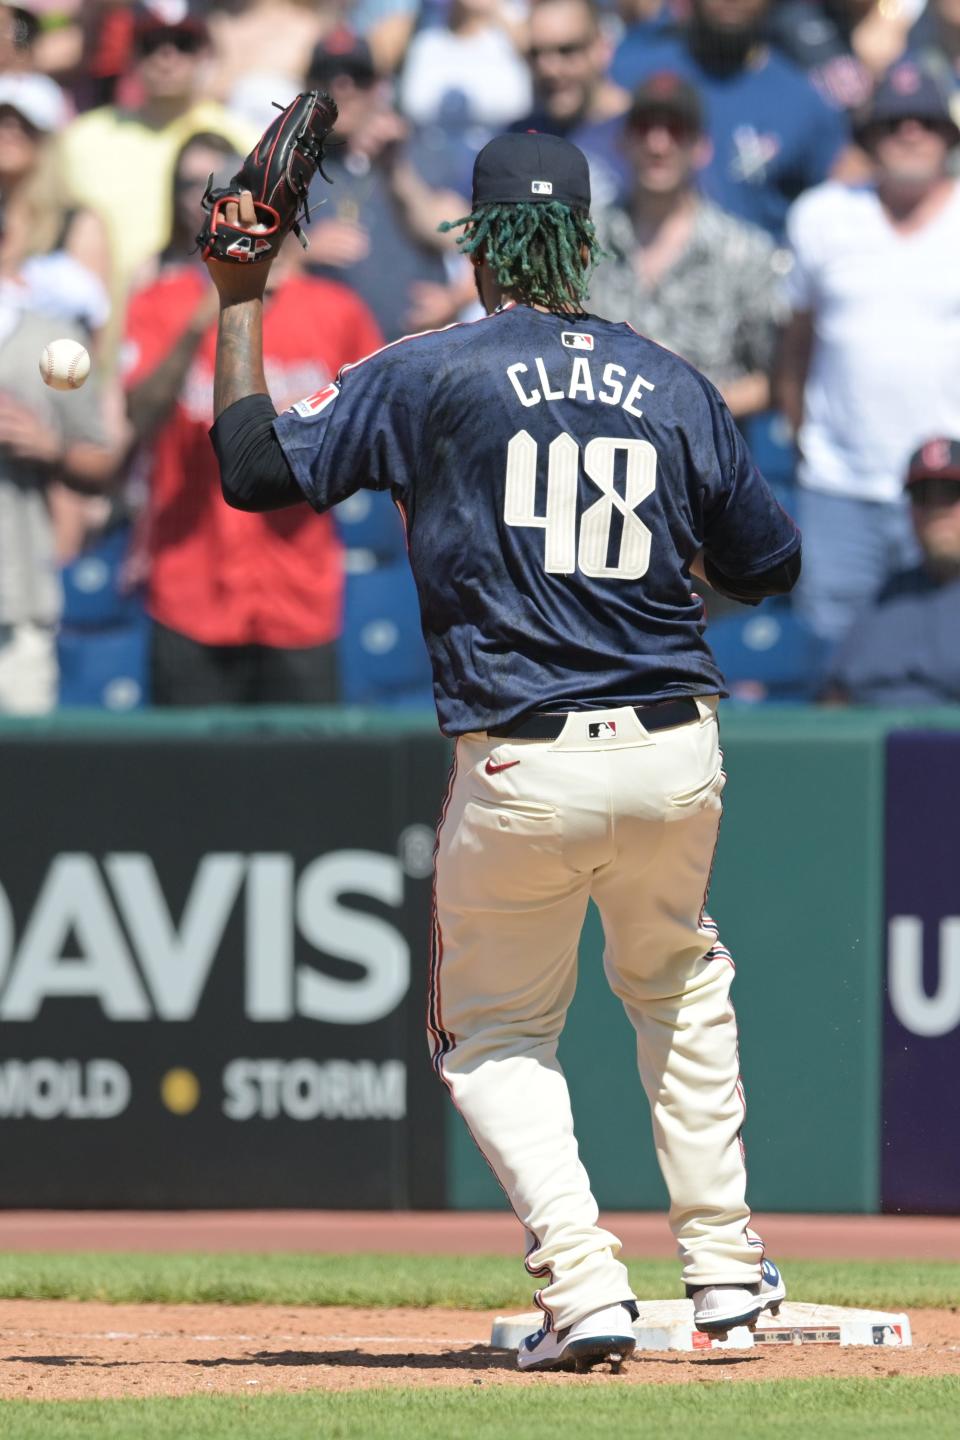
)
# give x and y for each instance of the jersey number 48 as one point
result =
(562, 552)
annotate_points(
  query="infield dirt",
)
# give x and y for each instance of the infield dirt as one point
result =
(72, 1350)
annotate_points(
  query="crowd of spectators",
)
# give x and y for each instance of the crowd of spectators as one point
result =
(775, 192)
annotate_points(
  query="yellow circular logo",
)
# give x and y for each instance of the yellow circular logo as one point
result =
(180, 1091)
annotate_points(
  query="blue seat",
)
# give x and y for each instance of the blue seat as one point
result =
(383, 658)
(105, 668)
(771, 444)
(767, 654)
(92, 593)
(369, 521)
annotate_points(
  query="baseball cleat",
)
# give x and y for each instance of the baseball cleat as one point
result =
(603, 1336)
(718, 1309)
(773, 1292)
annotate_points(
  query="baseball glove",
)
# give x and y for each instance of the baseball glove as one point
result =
(277, 172)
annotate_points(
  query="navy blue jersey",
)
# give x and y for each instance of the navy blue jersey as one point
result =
(557, 476)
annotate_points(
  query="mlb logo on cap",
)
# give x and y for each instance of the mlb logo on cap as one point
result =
(531, 169)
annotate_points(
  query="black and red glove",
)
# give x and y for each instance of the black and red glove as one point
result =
(277, 172)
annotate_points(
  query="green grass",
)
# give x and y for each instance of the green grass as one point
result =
(802, 1410)
(475, 1282)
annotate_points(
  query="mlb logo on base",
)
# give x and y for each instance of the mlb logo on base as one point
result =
(602, 729)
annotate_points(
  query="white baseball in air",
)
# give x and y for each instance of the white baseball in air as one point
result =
(64, 364)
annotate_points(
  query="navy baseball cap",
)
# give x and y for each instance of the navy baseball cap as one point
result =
(513, 169)
(666, 93)
(908, 91)
(342, 52)
(935, 460)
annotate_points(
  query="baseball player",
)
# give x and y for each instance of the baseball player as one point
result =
(562, 480)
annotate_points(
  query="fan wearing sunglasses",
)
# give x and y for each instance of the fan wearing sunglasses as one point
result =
(569, 56)
(903, 649)
(121, 159)
(868, 365)
(679, 269)
(573, 96)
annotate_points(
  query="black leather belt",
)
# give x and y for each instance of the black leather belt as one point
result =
(548, 727)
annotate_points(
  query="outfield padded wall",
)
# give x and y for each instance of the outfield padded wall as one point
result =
(212, 963)
(798, 891)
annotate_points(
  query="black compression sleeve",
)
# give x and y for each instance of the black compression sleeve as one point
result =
(751, 589)
(254, 474)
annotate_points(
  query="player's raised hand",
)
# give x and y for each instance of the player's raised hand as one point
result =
(237, 282)
(243, 212)
(239, 236)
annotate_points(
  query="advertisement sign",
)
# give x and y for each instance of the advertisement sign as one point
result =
(921, 1072)
(212, 969)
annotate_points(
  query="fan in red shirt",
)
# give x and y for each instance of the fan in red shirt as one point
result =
(245, 607)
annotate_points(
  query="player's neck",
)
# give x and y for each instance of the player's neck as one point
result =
(508, 298)
(493, 296)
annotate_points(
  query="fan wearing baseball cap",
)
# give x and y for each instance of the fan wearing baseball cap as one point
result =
(57, 250)
(692, 277)
(376, 223)
(908, 92)
(120, 160)
(868, 363)
(36, 98)
(773, 133)
(903, 650)
(158, 17)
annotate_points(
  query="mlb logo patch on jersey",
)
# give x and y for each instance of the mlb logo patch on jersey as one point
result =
(316, 402)
(541, 187)
(602, 729)
(576, 339)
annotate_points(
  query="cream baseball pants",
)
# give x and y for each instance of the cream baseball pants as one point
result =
(531, 830)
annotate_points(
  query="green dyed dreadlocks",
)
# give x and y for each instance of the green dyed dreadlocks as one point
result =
(534, 250)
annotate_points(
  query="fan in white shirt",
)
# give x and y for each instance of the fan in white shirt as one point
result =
(477, 56)
(868, 364)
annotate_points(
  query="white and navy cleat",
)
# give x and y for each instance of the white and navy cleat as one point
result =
(773, 1292)
(603, 1336)
(718, 1309)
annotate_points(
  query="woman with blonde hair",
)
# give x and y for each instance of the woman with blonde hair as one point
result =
(57, 251)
